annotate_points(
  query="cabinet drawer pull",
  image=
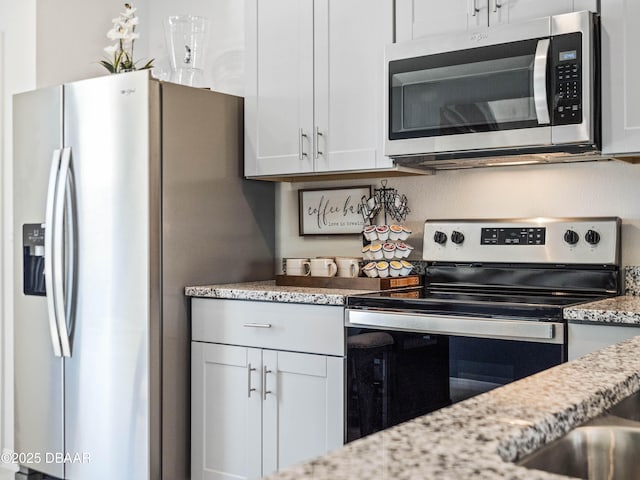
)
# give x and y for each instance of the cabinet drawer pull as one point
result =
(496, 5)
(257, 325)
(265, 370)
(249, 388)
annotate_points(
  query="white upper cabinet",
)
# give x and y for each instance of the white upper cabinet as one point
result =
(279, 90)
(314, 88)
(511, 11)
(620, 20)
(349, 68)
(417, 18)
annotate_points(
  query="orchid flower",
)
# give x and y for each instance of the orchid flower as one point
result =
(121, 53)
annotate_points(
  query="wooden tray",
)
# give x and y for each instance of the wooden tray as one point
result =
(357, 283)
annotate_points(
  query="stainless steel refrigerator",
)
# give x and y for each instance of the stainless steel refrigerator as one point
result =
(126, 190)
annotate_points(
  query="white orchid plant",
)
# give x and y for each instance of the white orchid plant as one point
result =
(124, 33)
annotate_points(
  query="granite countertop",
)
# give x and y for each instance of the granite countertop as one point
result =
(270, 292)
(480, 437)
(623, 310)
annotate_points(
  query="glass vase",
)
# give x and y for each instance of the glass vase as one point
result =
(187, 37)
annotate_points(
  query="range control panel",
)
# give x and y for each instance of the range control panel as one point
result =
(539, 240)
(513, 236)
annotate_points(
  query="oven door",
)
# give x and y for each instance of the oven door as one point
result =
(494, 90)
(403, 365)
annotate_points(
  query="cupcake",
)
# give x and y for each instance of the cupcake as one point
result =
(388, 250)
(383, 269)
(375, 252)
(394, 232)
(370, 233)
(405, 233)
(395, 268)
(370, 270)
(383, 232)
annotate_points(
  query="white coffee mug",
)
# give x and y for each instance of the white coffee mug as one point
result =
(348, 267)
(297, 266)
(323, 267)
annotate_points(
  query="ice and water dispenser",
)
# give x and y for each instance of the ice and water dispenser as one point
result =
(33, 259)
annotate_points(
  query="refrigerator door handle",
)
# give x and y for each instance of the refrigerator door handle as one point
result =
(49, 251)
(62, 192)
(71, 251)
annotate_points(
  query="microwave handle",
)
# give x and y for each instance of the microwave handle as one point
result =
(540, 81)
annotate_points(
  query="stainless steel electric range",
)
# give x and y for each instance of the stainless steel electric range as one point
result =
(489, 312)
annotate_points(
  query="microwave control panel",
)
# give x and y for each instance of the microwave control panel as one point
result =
(566, 52)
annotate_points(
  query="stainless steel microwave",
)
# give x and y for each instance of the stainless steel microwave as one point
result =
(502, 92)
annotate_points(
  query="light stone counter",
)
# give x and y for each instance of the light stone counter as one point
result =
(480, 437)
(623, 310)
(268, 291)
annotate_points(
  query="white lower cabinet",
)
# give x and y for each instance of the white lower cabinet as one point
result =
(587, 338)
(258, 410)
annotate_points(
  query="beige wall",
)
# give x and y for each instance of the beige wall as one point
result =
(71, 35)
(566, 190)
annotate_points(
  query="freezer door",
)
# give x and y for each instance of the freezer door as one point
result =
(38, 373)
(107, 124)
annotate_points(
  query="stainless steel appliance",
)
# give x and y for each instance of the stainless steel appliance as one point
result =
(490, 312)
(501, 92)
(126, 190)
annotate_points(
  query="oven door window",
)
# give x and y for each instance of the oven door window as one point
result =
(476, 90)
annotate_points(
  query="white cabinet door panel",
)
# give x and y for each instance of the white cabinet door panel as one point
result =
(349, 52)
(432, 17)
(512, 11)
(620, 76)
(225, 430)
(302, 416)
(279, 90)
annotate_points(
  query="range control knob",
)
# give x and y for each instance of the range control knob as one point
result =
(592, 237)
(457, 237)
(440, 237)
(571, 237)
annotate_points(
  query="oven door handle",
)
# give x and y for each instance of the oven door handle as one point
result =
(540, 81)
(533, 331)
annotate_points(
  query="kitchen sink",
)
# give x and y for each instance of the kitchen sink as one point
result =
(605, 448)
(628, 408)
(594, 452)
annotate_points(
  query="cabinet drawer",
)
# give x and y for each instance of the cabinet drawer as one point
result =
(282, 326)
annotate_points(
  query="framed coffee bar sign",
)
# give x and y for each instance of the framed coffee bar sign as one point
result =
(333, 211)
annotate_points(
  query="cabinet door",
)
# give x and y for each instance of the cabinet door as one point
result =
(510, 11)
(417, 18)
(279, 89)
(620, 20)
(585, 338)
(302, 409)
(350, 36)
(225, 414)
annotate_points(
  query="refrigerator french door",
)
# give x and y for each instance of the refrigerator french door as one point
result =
(81, 382)
(122, 185)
